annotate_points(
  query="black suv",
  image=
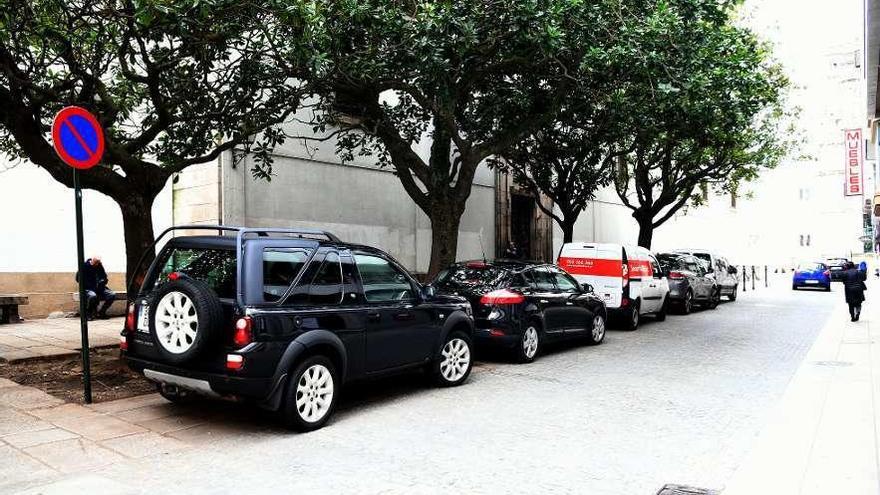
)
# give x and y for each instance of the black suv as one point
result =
(284, 318)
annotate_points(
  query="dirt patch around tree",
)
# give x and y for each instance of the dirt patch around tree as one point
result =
(62, 377)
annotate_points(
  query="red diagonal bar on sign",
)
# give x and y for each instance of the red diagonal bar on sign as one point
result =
(79, 138)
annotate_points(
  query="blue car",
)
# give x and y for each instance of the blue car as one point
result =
(812, 274)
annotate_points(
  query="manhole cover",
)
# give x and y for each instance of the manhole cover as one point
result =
(839, 364)
(686, 490)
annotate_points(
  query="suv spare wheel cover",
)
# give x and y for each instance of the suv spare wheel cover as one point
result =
(177, 322)
(184, 317)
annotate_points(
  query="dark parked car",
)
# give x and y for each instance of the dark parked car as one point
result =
(689, 283)
(836, 267)
(811, 274)
(285, 318)
(522, 305)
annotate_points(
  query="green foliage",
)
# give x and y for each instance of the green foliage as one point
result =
(707, 102)
(174, 83)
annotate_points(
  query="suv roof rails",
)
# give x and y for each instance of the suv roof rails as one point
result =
(240, 233)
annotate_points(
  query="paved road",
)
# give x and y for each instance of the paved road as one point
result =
(674, 402)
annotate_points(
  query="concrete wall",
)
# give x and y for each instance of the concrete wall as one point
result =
(359, 202)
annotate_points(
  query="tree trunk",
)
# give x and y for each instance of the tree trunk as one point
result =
(445, 220)
(137, 224)
(646, 230)
(567, 226)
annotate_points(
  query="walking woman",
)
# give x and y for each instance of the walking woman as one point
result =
(854, 289)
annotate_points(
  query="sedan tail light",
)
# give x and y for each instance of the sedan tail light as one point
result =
(827, 273)
(676, 275)
(502, 296)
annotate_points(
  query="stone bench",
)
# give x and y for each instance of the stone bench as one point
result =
(115, 310)
(9, 307)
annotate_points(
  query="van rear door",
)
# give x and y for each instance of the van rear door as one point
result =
(600, 265)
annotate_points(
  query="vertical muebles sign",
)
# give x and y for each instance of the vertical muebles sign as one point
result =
(853, 173)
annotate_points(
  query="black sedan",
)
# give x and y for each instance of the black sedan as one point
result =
(688, 282)
(837, 266)
(520, 306)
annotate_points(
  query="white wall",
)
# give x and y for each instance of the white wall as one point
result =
(37, 223)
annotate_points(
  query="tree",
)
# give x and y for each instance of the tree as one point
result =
(568, 162)
(472, 78)
(173, 84)
(708, 106)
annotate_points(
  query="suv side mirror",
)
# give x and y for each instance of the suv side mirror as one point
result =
(587, 287)
(428, 291)
(731, 270)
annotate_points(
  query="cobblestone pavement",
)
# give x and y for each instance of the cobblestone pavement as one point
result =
(675, 402)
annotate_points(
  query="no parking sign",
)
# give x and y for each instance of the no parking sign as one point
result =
(79, 141)
(78, 138)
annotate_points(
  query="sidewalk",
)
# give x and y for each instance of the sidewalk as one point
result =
(823, 436)
(49, 446)
(54, 337)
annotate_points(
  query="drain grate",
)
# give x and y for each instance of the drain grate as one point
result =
(686, 490)
(838, 364)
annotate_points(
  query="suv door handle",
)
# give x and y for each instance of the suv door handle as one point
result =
(403, 315)
(374, 316)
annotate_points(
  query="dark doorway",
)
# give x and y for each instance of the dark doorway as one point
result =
(522, 214)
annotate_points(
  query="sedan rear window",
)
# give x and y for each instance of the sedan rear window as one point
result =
(804, 267)
(470, 277)
(214, 267)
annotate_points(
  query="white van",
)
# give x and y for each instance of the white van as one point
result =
(628, 278)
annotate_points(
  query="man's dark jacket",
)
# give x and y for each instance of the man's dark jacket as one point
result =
(854, 285)
(94, 277)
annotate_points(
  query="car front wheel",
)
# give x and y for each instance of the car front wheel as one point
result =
(455, 361)
(311, 394)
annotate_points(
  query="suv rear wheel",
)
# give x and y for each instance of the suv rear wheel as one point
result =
(185, 316)
(311, 394)
(453, 365)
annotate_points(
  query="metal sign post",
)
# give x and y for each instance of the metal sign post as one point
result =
(79, 141)
(83, 319)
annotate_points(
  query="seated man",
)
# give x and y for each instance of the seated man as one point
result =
(95, 286)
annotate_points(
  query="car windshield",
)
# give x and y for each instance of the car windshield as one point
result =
(705, 257)
(810, 267)
(470, 277)
(672, 261)
(214, 267)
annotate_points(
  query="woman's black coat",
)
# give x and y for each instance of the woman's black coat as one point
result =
(854, 285)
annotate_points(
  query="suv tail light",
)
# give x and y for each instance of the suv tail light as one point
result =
(676, 275)
(234, 361)
(502, 296)
(243, 331)
(129, 318)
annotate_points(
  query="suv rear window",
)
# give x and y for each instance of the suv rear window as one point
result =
(280, 269)
(215, 267)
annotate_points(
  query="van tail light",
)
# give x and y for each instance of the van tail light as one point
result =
(502, 296)
(129, 319)
(243, 331)
(123, 342)
(676, 275)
